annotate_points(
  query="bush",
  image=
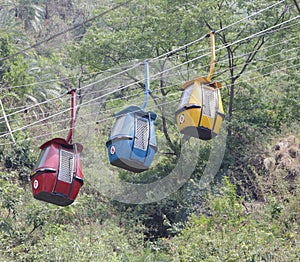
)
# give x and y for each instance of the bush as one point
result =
(233, 231)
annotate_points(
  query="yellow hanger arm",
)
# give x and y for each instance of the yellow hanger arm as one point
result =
(212, 56)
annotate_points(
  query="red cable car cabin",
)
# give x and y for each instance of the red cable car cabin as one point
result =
(57, 176)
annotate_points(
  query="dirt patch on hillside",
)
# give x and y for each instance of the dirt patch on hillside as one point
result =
(285, 158)
(267, 172)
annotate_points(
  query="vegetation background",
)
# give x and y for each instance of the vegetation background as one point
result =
(250, 210)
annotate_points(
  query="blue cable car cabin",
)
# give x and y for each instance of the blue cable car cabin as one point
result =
(132, 143)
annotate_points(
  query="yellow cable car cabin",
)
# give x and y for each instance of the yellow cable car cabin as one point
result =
(200, 112)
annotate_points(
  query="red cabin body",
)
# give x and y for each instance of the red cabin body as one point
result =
(57, 177)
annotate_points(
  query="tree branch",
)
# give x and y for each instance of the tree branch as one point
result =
(260, 42)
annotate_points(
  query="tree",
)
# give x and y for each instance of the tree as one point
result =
(27, 12)
(153, 29)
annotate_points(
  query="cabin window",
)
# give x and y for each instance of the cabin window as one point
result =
(42, 157)
(210, 102)
(66, 166)
(141, 138)
(118, 126)
(185, 97)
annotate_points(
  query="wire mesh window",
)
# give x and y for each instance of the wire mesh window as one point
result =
(210, 102)
(141, 138)
(66, 166)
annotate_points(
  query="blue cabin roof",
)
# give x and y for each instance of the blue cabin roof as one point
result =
(136, 110)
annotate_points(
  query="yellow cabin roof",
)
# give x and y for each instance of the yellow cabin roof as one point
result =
(202, 80)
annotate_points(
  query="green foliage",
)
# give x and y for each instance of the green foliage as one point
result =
(10, 192)
(142, 30)
(19, 157)
(17, 73)
(271, 103)
(25, 13)
(14, 71)
(95, 242)
(224, 226)
(31, 230)
(230, 231)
